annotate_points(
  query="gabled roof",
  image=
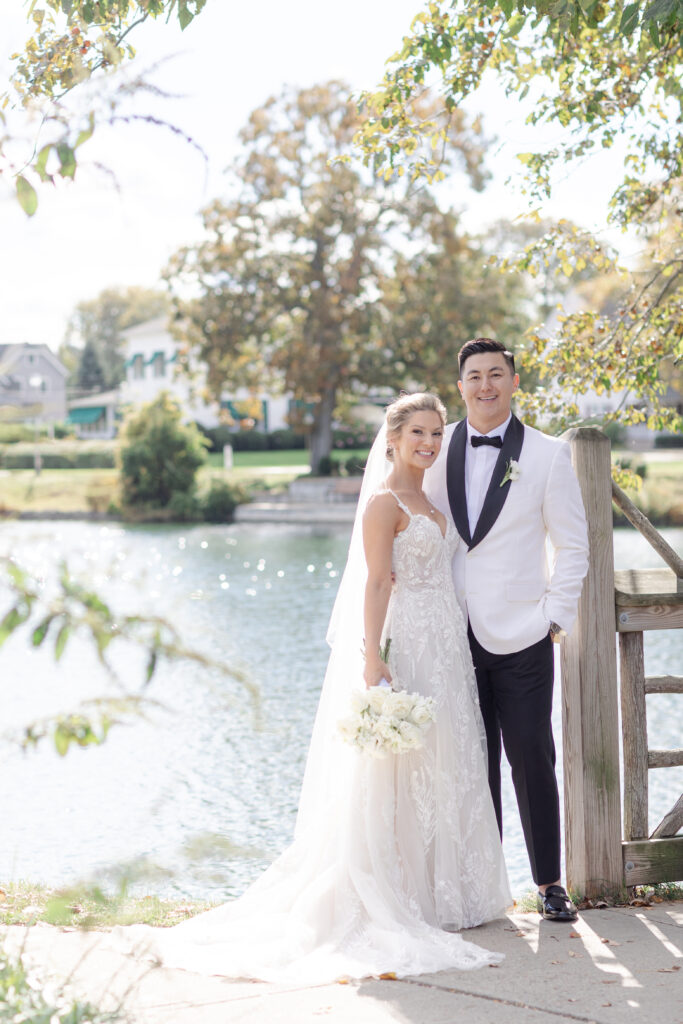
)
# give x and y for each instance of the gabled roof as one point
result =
(10, 354)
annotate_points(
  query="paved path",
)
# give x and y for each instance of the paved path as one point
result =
(613, 967)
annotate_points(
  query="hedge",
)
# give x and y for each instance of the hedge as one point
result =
(59, 455)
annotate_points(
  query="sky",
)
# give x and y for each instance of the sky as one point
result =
(119, 229)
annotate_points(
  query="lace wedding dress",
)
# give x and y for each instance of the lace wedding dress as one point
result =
(390, 856)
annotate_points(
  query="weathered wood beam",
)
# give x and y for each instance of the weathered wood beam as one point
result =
(664, 758)
(663, 616)
(590, 700)
(664, 684)
(647, 587)
(634, 734)
(647, 861)
(671, 823)
(644, 526)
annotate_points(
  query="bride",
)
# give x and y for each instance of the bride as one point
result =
(390, 857)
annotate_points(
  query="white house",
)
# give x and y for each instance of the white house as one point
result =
(32, 384)
(151, 355)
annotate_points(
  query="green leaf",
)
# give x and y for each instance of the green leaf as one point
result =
(60, 642)
(515, 25)
(659, 10)
(67, 159)
(184, 15)
(41, 163)
(654, 33)
(629, 19)
(507, 6)
(151, 666)
(86, 133)
(40, 632)
(27, 196)
(62, 739)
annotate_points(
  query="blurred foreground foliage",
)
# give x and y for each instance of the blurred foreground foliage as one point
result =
(72, 43)
(75, 609)
(596, 74)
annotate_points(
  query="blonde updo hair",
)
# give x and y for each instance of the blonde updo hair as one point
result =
(404, 407)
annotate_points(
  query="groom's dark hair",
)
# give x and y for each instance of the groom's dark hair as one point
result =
(478, 345)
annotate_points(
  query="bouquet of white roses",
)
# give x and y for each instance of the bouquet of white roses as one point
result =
(384, 721)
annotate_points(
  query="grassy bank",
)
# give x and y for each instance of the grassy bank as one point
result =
(93, 490)
(26, 903)
(661, 494)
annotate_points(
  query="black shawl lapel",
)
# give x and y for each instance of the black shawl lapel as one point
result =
(496, 494)
(455, 480)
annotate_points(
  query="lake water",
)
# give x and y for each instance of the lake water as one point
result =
(196, 800)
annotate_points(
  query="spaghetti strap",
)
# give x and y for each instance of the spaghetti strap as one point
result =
(400, 503)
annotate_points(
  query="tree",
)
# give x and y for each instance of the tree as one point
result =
(436, 299)
(598, 72)
(72, 43)
(89, 373)
(99, 323)
(287, 280)
(159, 454)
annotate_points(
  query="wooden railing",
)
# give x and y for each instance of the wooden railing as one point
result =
(626, 604)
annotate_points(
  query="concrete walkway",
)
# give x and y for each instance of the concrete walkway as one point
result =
(613, 967)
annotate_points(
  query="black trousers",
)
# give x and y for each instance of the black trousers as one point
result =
(516, 696)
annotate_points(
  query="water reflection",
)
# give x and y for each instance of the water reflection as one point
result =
(197, 799)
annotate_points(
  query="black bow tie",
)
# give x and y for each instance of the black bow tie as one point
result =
(495, 442)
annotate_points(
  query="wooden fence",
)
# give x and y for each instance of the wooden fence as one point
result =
(624, 604)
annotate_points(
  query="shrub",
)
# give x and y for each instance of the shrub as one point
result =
(248, 441)
(345, 437)
(669, 441)
(325, 466)
(640, 468)
(184, 506)
(354, 465)
(285, 439)
(59, 455)
(616, 432)
(159, 454)
(11, 433)
(221, 500)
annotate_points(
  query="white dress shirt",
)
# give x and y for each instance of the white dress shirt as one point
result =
(479, 463)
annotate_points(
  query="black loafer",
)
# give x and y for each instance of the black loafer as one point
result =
(555, 905)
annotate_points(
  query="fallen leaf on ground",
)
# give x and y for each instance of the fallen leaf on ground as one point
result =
(574, 935)
(342, 981)
(609, 981)
(610, 942)
(387, 976)
(605, 1004)
(579, 955)
(668, 970)
(555, 961)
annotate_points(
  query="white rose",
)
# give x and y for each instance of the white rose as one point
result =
(401, 704)
(410, 734)
(423, 712)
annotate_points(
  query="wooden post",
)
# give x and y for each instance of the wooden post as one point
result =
(592, 803)
(634, 733)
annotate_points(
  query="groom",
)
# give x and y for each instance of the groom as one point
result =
(510, 488)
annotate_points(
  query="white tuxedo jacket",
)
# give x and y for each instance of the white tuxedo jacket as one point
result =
(507, 581)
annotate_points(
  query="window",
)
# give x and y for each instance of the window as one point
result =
(138, 367)
(159, 365)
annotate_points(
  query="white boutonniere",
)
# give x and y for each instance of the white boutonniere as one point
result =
(512, 472)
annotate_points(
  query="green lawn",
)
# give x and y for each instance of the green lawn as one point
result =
(294, 458)
(85, 490)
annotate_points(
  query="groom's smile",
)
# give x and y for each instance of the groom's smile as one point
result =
(487, 387)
